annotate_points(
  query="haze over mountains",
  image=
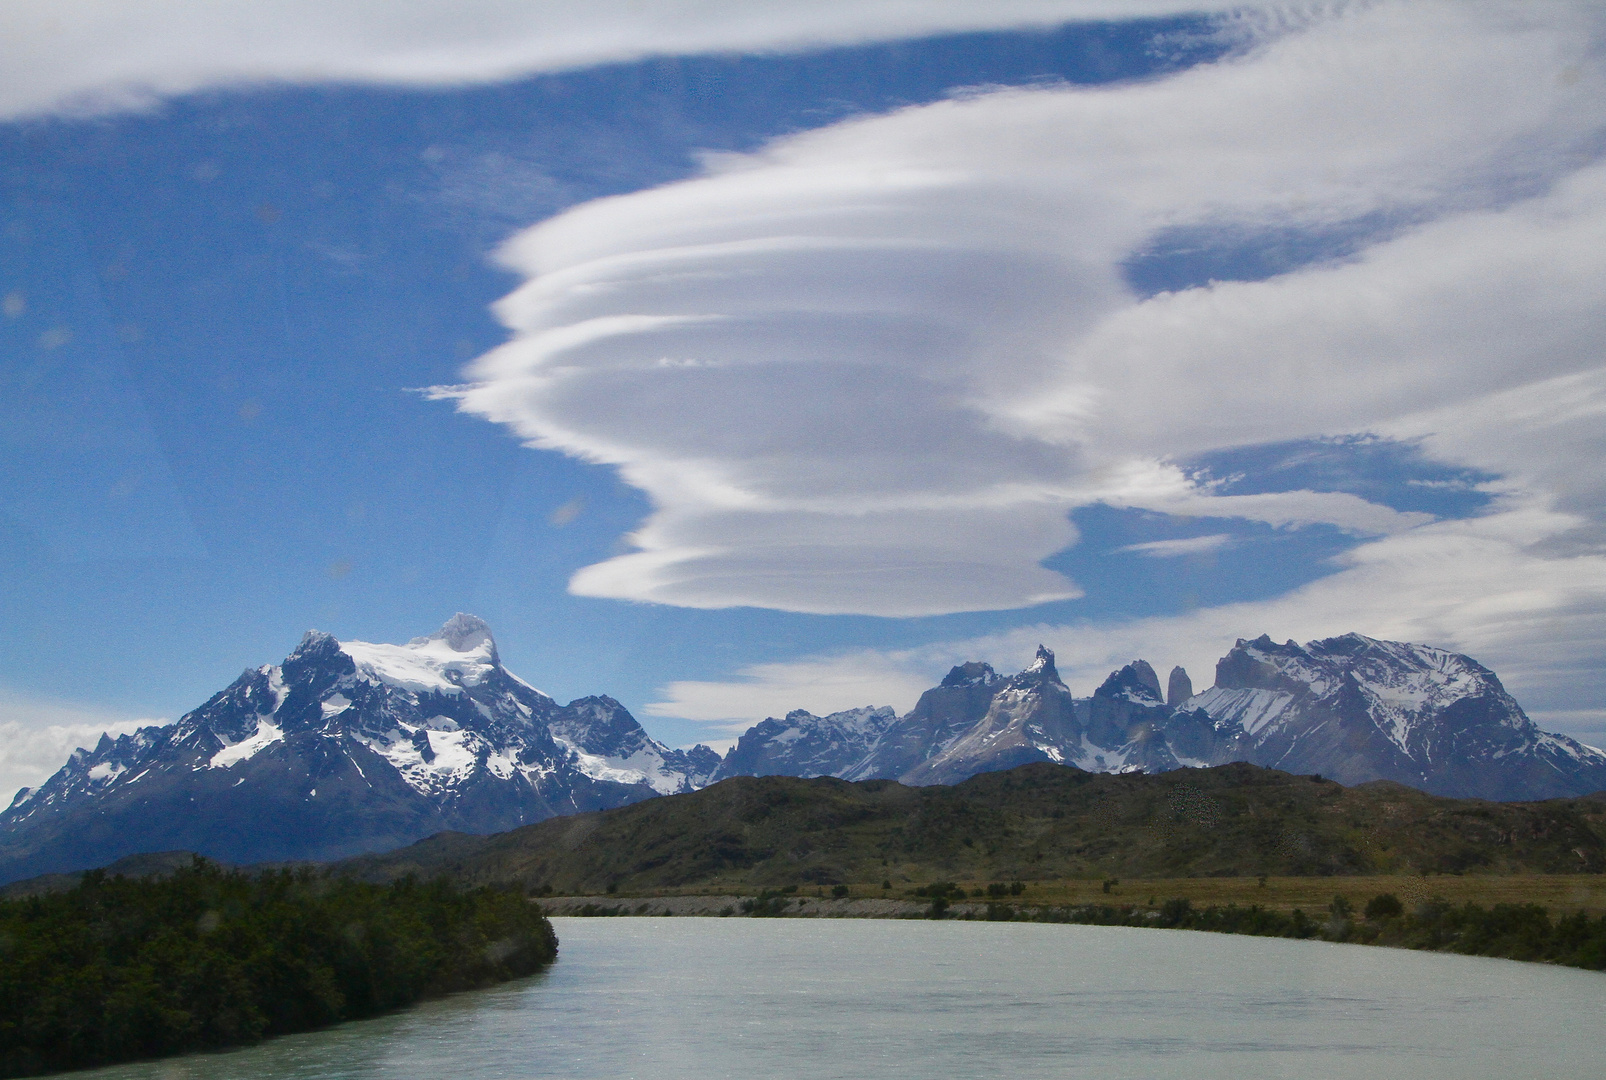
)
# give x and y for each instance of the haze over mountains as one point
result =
(349, 747)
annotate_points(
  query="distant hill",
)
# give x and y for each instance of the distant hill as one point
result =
(1034, 822)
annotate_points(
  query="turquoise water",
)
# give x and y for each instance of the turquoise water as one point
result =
(707, 998)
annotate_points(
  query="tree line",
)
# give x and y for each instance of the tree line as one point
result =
(118, 969)
(1512, 931)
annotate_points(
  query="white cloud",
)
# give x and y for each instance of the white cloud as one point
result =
(822, 685)
(872, 367)
(1586, 725)
(38, 735)
(1172, 549)
(103, 55)
(1476, 586)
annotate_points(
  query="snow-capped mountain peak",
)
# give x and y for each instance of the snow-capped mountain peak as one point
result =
(606, 743)
(1136, 682)
(345, 747)
(460, 654)
(971, 673)
(1360, 708)
(1040, 670)
(1353, 708)
(358, 746)
(803, 744)
(463, 633)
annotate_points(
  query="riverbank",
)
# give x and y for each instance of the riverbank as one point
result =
(713, 906)
(1520, 931)
(1563, 894)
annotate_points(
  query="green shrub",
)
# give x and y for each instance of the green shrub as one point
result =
(1383, 906)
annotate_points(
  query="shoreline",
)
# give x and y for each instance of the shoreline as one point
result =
(729, 906)
(1522, 932)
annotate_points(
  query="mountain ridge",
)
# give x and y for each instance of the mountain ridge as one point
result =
(1351, 707)
(351, 747)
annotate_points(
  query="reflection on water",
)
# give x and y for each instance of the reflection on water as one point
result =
(696, 998)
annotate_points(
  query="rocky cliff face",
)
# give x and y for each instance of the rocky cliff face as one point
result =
(1355, 708)
(345, 747)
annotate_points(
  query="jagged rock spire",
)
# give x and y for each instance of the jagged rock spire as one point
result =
(1042, 666)
(1179, 687)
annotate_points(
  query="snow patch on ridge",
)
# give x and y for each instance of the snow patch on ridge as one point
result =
(1251, 710)
(266, 734)
(645, 766)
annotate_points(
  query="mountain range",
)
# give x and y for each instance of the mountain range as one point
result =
(1351, 708)
(352, 747)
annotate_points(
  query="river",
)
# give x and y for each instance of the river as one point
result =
(671, 998)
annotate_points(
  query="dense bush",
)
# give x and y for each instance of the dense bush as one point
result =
(118, 969)
(767, 904)
(1384, 906)
(1514, 931)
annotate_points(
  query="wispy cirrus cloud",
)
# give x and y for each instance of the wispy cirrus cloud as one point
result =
(90, 56)
(1172, 549)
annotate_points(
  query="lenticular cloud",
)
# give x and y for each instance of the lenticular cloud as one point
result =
(871, 368)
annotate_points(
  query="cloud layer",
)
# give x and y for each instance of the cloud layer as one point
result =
(103, 55)
(37, 736)
(1479, 586)
(871, 368)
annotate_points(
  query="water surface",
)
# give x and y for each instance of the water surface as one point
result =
(753, 998)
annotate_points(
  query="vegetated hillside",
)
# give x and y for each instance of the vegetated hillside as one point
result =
(1035, 822)
(154, 864)
(117, 969)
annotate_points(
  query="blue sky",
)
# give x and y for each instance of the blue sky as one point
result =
(775, 372)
